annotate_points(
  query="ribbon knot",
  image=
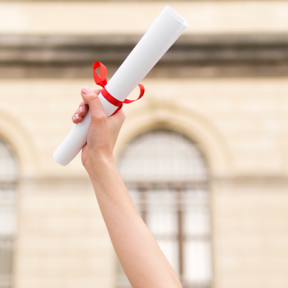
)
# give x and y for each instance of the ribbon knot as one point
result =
(102, 81)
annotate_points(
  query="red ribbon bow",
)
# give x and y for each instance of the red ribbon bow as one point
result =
(102, 81)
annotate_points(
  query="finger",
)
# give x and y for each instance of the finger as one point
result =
(92, 100)
(77, 118)
(83, 109)
(74, 117)
(86, 90)
(76, 112)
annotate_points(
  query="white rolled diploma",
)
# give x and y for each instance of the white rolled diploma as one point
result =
(153, 45)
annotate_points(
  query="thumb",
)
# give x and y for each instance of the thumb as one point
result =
(92, 100)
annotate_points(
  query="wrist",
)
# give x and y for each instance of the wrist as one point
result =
(97, 162)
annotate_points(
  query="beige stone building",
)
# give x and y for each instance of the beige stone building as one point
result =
(204, 153)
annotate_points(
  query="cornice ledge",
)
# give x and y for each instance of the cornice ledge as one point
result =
(113, 49)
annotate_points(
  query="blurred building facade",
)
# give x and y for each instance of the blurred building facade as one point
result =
(204, 154)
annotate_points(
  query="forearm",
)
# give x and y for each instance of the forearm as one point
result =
(138, 252)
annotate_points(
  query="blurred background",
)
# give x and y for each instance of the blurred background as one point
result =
(204, 154)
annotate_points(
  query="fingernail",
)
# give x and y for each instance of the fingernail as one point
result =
(76, 116)
(73, 118)
(85, 90)
(80, 109)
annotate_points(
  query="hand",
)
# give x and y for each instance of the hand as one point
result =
(103, 131)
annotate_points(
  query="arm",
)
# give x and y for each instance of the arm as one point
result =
(139, 254)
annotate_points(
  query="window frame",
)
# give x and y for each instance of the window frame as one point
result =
(179, 186)
(8, 240)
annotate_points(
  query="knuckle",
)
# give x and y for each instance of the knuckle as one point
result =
(89, 97)
(94, 96)
(99, 117)
(102, 118)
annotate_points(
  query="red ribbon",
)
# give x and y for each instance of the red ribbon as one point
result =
(102, 81)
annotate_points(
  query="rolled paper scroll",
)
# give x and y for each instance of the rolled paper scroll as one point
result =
(166, 29)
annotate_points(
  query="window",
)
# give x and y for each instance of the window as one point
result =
(167, 179)
(8, 178)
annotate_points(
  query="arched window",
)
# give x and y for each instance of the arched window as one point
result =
(8, 180)
(167, 179)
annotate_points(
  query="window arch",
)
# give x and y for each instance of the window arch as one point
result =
(167, 179)
(8, 181)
